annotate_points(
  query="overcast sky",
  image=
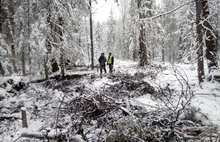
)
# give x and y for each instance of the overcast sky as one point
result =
(102, 10)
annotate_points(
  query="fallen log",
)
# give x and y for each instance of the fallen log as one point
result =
(59, 77)
(61, 136)
(2, 118)
(195, 131)
(37, 135)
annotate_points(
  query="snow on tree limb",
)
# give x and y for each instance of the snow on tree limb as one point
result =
(167, 13)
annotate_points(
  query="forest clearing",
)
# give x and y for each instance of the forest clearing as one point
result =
(109, 70)
(158, 103)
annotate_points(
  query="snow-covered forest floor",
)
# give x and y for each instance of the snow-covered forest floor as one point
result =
(160, 102)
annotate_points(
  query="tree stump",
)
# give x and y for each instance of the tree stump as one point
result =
(24, 117)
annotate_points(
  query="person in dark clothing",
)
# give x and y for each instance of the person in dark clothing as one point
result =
(102, 60)
(110, 62)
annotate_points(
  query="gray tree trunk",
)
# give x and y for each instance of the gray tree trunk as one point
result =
(200, 62)
(62, 64)
(46, 67)
(91, 35)
(23, 61)
(142, 50)
(211, 49)
(11, 36)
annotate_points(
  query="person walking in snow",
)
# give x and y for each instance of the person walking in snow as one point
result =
(102, 60)
(110, 62)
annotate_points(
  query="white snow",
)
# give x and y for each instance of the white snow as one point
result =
(206, 97)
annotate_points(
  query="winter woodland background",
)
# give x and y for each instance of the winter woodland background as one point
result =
(152, 42)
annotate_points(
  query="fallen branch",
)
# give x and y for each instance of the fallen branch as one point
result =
(125, 111)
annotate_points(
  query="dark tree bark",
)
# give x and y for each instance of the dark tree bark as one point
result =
(163, 54)
(48, 45)
(46, 67)
(23, 61)
(1, 15)
(62, 65)
(11, 36)
(91, 35)
(2, 71)
(54, 64)
(142, 50)
(200, 62)
(29, 47)
(211, 50)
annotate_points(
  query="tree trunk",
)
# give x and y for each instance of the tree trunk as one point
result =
(62, 62)
(2, 71)
(199, 28)
(13, 58)
(11, 38)
(211, 50)
(23, 61)
(62, 65)
(24, 118)
(142, 51)
(91, 35)
(87, 42)
(29, 48)
(163, 54)
(46, 67)
(49, 48)
(1, 15)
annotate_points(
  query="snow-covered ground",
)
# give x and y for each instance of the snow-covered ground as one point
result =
(205, 97)
(181, 77)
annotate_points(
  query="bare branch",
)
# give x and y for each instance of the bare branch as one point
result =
(167, 13)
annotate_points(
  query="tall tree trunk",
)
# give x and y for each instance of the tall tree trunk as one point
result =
(142, 51)
(29, 48)
(48, 46)
(23, 51)
(11, 37)
(163, 54)
(211, 50)
(62, 65)
(2, 71)
(46, 67)
(91, 35)
(199, 29)
(1, 15)
(87, 41)
(23, 61)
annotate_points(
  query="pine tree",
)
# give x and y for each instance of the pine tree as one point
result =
(111, 33)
